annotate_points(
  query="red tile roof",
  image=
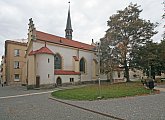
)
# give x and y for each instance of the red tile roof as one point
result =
(75, 58)
(63, 41)
(43, 50)
(65, 72)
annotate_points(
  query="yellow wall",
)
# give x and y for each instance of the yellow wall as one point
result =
(10, 58)
(94, 70)
(31, 70)
(3, 72)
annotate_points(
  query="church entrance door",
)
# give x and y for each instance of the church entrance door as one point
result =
(59, 81)
(37, 81)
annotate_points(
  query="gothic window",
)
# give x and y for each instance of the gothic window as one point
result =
(57, 62)
(82, 65)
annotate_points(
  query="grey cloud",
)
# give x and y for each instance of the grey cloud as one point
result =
(89, 17)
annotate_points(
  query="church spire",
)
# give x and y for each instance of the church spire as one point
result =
(68, 30)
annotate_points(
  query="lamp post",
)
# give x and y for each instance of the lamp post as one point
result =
(98, 56)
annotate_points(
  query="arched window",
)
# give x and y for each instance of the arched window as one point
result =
(57, 62)
(82, 65)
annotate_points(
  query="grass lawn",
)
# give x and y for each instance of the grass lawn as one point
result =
(91, 92)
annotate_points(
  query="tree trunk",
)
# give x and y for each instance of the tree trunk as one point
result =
(126, 71)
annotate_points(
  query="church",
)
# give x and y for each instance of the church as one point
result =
(52, 60)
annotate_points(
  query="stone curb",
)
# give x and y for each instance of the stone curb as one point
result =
(82, 108)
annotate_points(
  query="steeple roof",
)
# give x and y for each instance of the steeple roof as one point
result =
(69, 25)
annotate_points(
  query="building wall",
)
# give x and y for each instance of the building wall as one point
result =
(66, 78)
(10, 59)
(67, 54)
(3, 72)
(45, 68)
(24, 74)
(88, 56)
(115, 75)
(94, 70)
(118, 76)
(31, 74)
(135, 74)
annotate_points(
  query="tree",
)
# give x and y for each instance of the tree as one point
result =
(151, 55)
(163, 17)
(126, 31)
(162, 55)
(147, 58)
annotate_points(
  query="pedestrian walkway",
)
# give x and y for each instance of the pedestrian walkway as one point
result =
(161, 89)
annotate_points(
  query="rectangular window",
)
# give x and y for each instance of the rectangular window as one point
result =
(48, 60)
(48, 75)
(118, 73)
(71, 79)
(16, 52)
(16, 77)
(16, 64)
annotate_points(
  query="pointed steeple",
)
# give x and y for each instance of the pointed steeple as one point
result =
(68, 30)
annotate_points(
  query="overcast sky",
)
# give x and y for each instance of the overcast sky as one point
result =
(89, 17)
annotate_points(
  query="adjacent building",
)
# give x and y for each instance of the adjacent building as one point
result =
(14, 61)
(3, 70)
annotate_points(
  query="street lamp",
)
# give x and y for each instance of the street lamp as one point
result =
(98, 57)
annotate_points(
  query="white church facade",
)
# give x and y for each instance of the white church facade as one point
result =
(52, 60)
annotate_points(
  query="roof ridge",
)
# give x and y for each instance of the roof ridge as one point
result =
(41, 51)
(63, 38)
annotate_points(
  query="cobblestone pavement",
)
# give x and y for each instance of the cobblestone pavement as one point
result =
(150, 107)
(40, 107)
(17, 90)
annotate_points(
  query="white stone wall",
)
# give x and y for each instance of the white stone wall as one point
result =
(66, 78)
(67, 54)
(44, 69)
(135, 74)
(115, 75)
(88, 56)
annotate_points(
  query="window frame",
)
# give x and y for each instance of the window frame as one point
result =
(16, 52)
(57, 63)
(71, 80)
(82, 65)
(16, 79)
(16, 65)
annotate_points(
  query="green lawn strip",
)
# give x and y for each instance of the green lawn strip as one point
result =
(107, 91)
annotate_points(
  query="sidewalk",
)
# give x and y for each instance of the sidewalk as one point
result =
(161, 89)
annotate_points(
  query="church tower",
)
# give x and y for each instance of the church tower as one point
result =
(68, 30)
